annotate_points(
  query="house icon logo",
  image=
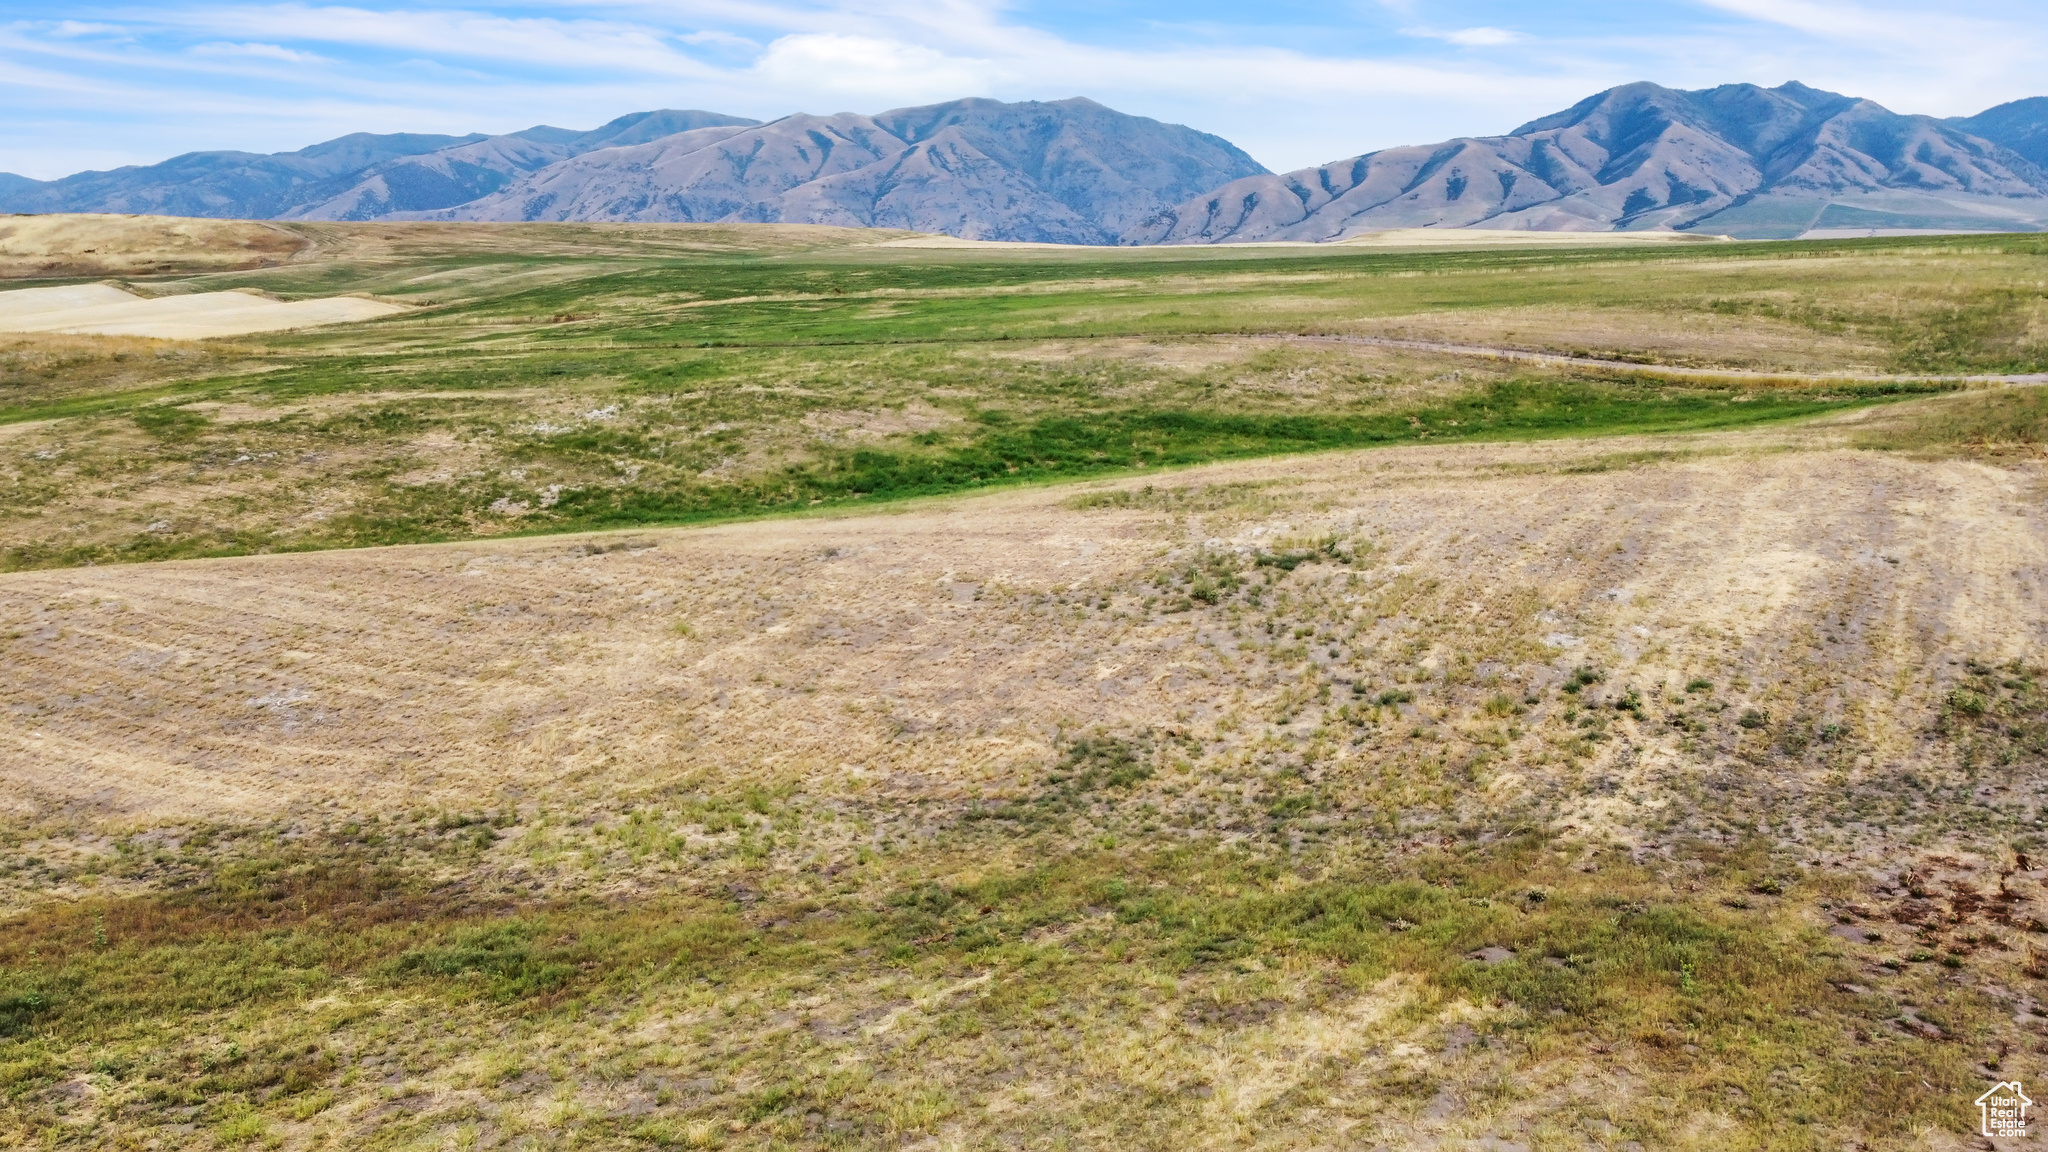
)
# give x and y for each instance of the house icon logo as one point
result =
(2003, 1110)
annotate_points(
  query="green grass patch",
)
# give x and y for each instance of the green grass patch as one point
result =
(1002, 450)
(554, 390)
(1066, 437)
(1087, 950)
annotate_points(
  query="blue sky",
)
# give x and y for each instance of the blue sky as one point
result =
(94, 85)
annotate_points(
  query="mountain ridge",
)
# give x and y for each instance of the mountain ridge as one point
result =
(462, 173)
(2020, 125)
(220, 184)
(1067, 171)
(294, 185)
(1740, 159)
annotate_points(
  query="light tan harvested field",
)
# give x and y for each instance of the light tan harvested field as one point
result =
(99, 245)
(103, 310)
(85, 244)
(919, 649)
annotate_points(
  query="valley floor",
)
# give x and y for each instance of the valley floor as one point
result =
(1658, 790)
(1024, 699)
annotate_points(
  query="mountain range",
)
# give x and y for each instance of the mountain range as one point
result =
(1739, 159)
(356, 177)
(1067, 171)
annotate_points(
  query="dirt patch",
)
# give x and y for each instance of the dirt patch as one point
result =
(1654, 572)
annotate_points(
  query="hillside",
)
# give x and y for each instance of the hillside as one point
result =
(1070, 171)
(565, 376)
(769, 686)
(1739, 160)
(351, 178)
(466, 172)
(2021, 126)
(1532, 792)
(220, 185)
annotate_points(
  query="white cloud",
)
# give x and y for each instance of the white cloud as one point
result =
(1846, 21)
(463, 35)
(259, 51)
(70, 28)
(720, 39)
(279, 75)
(1943, 60)
(867, 66)
(1469, 37)
(1481, 37)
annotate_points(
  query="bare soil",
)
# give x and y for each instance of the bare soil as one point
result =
(393, 677)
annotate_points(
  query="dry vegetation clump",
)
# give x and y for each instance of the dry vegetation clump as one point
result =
(46, 367)
(1990, 424)
(1711, 339)
(1681, 791)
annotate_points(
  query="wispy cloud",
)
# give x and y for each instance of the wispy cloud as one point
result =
(1294, 85)
(259, 51)
(1468, 37)
(452, 34)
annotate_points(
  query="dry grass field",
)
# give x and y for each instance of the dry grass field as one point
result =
(65, 245)
(1469, 756)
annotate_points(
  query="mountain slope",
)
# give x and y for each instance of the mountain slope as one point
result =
(1069, 171)
(1100, 164)
(2021, 126)
(466, 172)
(354, 177)
(1739, 159)
(227, 185)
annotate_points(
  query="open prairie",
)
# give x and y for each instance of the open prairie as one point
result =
(812, 693)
